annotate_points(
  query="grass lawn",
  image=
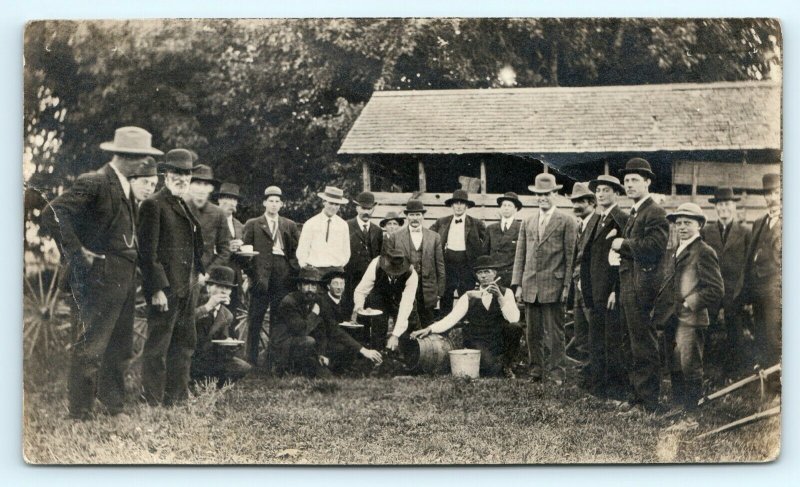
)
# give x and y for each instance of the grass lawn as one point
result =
(417, 420)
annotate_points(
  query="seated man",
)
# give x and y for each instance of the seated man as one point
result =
(307, 339)
(491, 315)
(213, 321)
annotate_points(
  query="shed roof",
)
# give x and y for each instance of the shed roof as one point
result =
(666, 117)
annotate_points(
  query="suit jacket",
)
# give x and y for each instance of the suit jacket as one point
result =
(474, 235)
(363, 248)
(763, 266)
(502, 247)
(544, 267)
(732, 256)
(644, 245)
(331, 333)
(211, 328)
(603, 277)
(692, 286)
(257, 234)
(170, 245)
(580, 270)
(430, 269)
(216, 235)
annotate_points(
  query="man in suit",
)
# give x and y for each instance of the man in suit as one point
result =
(762, 275)
(423, 249)
(501, 237)
(462, 242)
(692, 286)
(275, 239)
(171, 250)
(606, 374)
(584, 204)
(228, 198)
(216, 236)
(729, 238)
(214, 322)
(366, 240)
(641, 247)
(94, 223)
(543, 276)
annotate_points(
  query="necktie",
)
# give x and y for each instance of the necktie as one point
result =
(505, 227)
(580, 227)
(328, 230)
(365, 228)
(542, 224)
(458, 221)
(272, 228)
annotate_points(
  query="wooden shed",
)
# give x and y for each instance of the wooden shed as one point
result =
(696, 136)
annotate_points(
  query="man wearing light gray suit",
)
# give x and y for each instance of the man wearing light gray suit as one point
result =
(542, 277)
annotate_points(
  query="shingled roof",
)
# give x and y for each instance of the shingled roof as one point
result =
(668, 117)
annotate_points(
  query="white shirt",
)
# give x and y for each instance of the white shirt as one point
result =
(126, 185)
(406, 300)
(416, 236)
(582, 222)
(455, 236)
(639, 203)
(505, 223)
(774, 216)
(231, 227)
(508, 306)
(685, 243)
(607, 212)
(312, 249)
(277, 245)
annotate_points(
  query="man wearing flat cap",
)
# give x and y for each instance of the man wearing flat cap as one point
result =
(641, 247)
(366, 241)
(691, 287)
(216, 236)
(171, 251)
(729, 238)
(228, 199)
(501, 237)
(325, 238)
(462, 242)
(95, 223)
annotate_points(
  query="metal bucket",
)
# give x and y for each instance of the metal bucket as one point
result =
(465, 363)
(429, 354)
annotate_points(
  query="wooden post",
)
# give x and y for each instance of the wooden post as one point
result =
(366, 176)
(606, 170)
(423, 181)
(546, 169)
(695, 171)
(483, 177)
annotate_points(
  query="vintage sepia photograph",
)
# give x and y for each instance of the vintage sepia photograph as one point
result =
(402, 241)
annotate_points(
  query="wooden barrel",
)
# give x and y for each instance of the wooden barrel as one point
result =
(429, 354)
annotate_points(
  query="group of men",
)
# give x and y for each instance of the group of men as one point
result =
(611, 267)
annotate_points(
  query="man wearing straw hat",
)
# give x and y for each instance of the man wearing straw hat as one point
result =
(491, 315)
(94, 223)
(692, 286)
(171, 250)
(501, 237)
(216, 236)
(543, 276)
(366, 241)
(325, 238)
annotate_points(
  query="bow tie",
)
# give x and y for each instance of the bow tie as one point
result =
(458, 221)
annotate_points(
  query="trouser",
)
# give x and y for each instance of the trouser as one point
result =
(425, 311)
(767, 327)
(606, 371)
(226, 369)
(167, 357)
(102, 351)
(578, 347)
(497, 351)
(685, 359)
(458, 277)
(545, 337)
(644, 366)
(262, 299)
(299, 355)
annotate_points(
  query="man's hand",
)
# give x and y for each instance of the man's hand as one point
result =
(616, 244)
(159, 301)
(216, 299)
(315, 309)
(245, 284)
(438, 303)
(374, 356)
(393, 343)
(201, 279)
(235, 245)
(612, 301)
(421, 333)
(494, 290)
(354, 316)
(88, 256)
(324, 361)
(518, 294)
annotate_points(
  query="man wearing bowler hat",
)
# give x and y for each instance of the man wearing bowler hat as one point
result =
(94, 223)
(641, 247)
(462, 242)
(729, 238)
(325, 238)
(171, 250)
(501, 237)
(543, 276)
(275, 239)
(216, 236)
(762, 275)
(366, 240)
(228, 199)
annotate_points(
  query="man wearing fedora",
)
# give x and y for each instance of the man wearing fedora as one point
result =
(275, 238)
(216, 236)
(366, 241)
(228, 198)
(423, 249)
(641, 247)
(462, 242)
(762, 275)
(95, 223)
(391, 223)
(542, 276)
(143, 179)
(214, 321)
(171, 250)
(325, 238)
(729, 238)
(501, 237)
(606, 373)
(692, 286)
(491, 315)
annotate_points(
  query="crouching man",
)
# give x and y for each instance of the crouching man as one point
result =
(307, 339)
(491, 315)
(692, 285)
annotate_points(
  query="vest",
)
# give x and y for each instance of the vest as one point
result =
(389, 293)
(484, 324)
(767, 256)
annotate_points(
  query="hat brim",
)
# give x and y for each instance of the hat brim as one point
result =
(362, 205)
(587, 196)
(488, 266)
(534, 189)
(516, 202)
(211, 181)
(719, 200)
(674, 216)
(400, 221)
(450, 202)
(229, 195)
(593, 184)
(395, 270)
(641, 172)
(329, 199)
(110, 147)
(220, 283)
(423, 211)
(166, 165)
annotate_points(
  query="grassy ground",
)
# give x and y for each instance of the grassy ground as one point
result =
(419, 420)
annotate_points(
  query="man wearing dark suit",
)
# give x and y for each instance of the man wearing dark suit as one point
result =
(228, 198)
(501, 237)
(606, 374)
(762, 277)
(216, 236)
(275, 239)
(692, 286)
(94, 224)
(366, 240)
(641, 248)
(171, 249)
(423, 249)
(729, 238)
(462, 242)
(543, 277)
